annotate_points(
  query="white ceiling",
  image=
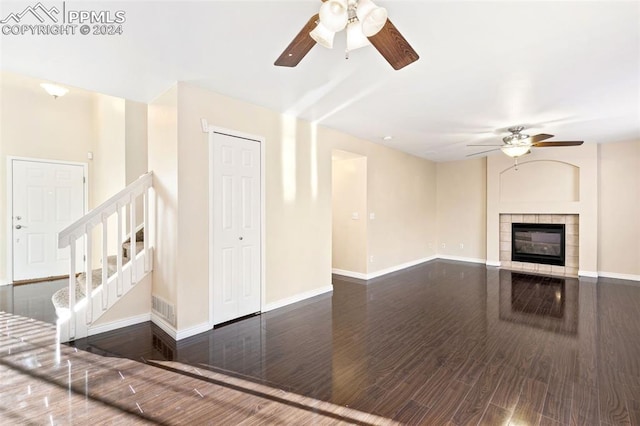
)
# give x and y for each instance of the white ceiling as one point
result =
(567, 68)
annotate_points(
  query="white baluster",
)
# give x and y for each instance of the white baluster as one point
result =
(146, 229)
(89, 275)
(119, 254)
(132, 224)
(105, 264)
(72, 286)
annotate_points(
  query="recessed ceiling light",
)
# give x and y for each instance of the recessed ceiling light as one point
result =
(387, 138)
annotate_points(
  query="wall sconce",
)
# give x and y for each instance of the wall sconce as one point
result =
(54, 90)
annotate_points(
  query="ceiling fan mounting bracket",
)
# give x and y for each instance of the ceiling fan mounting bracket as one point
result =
(516, 137)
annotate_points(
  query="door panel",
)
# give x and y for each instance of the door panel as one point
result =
(236, 227)
(47, 197)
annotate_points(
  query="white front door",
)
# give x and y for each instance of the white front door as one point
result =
(46, 197)
(236, 227)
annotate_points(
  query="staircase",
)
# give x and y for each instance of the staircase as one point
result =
(89, 296)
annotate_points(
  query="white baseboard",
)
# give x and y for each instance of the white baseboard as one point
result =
(350, 274)
(103, 328)
(590, 274)
(461, 259)
(493, 263)
(179, 334)
(618, 276)
(192, 331)
(165, 326)
(376, 274)
(297, 298)
(397, 268)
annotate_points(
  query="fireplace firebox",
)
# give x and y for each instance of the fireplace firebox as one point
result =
(538, 243)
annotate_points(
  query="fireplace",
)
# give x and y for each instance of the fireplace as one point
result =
(538, 243)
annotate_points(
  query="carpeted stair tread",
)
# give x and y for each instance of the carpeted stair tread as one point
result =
(60, 298)
(126, 246)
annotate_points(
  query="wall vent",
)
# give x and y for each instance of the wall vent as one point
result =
(163, 309)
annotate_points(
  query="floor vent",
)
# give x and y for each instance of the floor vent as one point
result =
(163, 309)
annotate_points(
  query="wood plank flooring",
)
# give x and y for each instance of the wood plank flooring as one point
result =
(442, 343)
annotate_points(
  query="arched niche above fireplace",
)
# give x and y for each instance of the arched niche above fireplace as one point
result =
(540, 181)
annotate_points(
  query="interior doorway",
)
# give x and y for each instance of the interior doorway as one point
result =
(349, 214)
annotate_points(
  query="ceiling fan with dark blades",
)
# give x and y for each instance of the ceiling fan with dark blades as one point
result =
(365, 24)
(517, 143)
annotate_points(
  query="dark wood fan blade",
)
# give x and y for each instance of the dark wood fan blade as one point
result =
(299, 46)
(395, 49)
(539, 138)
(483, 152)
(559, 143)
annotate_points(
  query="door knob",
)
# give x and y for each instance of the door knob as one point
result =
(20, 226)
(240, 238)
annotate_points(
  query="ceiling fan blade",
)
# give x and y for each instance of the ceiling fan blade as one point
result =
(539, 138)
(485, 145)
(393, 47)
(299, 46)
(559, 143)
(483, 152)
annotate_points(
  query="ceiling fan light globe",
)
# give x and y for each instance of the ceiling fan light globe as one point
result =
(363, 8)
(355, 37)
(515, 150)
(323, 36)
(374, 21)
(334, 14)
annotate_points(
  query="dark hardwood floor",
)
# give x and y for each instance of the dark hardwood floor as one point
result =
(440, 343)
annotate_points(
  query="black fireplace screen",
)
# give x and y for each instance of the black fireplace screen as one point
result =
(537, 243)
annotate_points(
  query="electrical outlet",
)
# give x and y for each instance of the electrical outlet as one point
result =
(444, 245)
(371, 259)
(461, 246)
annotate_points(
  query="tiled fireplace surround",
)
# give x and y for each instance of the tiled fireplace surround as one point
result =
(571, 243)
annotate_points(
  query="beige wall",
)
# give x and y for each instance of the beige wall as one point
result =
(401, 192)
(619, 230)
(461, 202)
(35, 125)
(298, 198)
(349, 197)
(137, 302)
(135, 132)
(108, 166)
(163, 154)
(555, 164)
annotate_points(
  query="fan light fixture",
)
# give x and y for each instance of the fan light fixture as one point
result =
(54, 90)
(517, 143)
(361, 19)
(515, 151)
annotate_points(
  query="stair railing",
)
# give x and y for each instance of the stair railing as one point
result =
(81, 232)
